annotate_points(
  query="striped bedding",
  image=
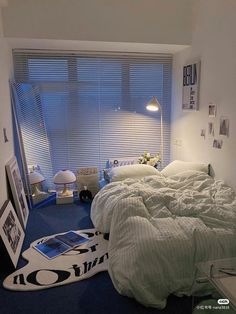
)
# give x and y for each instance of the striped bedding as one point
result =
(160, 228)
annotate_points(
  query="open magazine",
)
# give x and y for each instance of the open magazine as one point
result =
(60, 244)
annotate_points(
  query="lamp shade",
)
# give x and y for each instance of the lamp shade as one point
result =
(153, 105)
(35, 177)
(64, 177)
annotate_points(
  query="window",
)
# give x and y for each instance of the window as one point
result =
(91, 107)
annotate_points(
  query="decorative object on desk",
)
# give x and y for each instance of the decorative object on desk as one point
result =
(85, 195)
(64, 177)
(89, 178)
(17, 189)
(11, 232)
(191, 80)
(154, 105)
(148, 159)
(80, 263)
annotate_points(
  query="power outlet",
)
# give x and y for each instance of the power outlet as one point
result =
(177, 142)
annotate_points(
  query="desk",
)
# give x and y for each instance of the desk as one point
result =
(219, 273)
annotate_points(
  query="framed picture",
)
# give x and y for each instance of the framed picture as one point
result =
(217, 143)
(191, 81)
(11, 232)
(17, 189)
(224, 126)
(211, 130)
(212, 110)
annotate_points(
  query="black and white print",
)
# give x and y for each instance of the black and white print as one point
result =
(11, 232)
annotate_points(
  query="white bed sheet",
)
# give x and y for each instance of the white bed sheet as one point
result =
(160, 228)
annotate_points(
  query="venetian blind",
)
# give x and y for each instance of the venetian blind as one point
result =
(91, 106)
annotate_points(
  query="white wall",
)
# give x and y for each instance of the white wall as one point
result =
(140, 21)
(5, 114)
(214, 44)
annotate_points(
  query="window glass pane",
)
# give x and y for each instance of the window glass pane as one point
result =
(93, 107)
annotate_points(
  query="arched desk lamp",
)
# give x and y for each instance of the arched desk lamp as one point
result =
(64, 177)
(154, 105)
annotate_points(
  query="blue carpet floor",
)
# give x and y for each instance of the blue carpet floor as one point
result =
(90, 296)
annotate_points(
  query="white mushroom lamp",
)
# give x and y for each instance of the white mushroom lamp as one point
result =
(64, 177)
(35, 178)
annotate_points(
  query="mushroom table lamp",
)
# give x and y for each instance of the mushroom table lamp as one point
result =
(35, 178)
(65, 177)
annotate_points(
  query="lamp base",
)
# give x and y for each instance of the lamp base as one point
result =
(64, 199)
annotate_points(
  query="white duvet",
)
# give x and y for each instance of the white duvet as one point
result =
(160, 228)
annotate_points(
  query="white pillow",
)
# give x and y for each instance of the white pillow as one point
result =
(178, 166)
(132, 171)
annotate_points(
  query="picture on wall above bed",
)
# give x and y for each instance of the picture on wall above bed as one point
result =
(211, 130)
(217, 143)
(211, 110)
(191, 81)
(224, 126)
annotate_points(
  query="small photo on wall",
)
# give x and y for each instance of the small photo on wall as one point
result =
(211, 131)
(212, 110)
(217, 143)
(17, 189)
(11, 232)
(224, 126)
(203, 133)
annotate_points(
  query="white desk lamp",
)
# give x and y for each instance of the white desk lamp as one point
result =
(64, 177)
(35, 178)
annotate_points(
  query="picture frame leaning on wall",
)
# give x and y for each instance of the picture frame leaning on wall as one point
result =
(17, 188)
(11, 232)
(191, 86)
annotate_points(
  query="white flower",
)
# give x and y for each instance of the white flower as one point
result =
(146, 158)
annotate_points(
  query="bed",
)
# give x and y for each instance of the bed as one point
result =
(161, 225)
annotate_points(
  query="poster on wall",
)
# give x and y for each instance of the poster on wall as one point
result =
(224, 126)
(17, 189)
(191, 81)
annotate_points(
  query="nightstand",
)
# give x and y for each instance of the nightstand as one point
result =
(88, 179)
(222, 275)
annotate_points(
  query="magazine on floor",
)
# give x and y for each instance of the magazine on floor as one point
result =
(60, 244)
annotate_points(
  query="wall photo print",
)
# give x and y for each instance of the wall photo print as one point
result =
(212, 110)
(17, 189)
(191, 81)
(224, 126)
(11, 232)
(211, 129)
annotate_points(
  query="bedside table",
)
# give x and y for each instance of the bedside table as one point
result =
(88, 179)
(222, 275)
